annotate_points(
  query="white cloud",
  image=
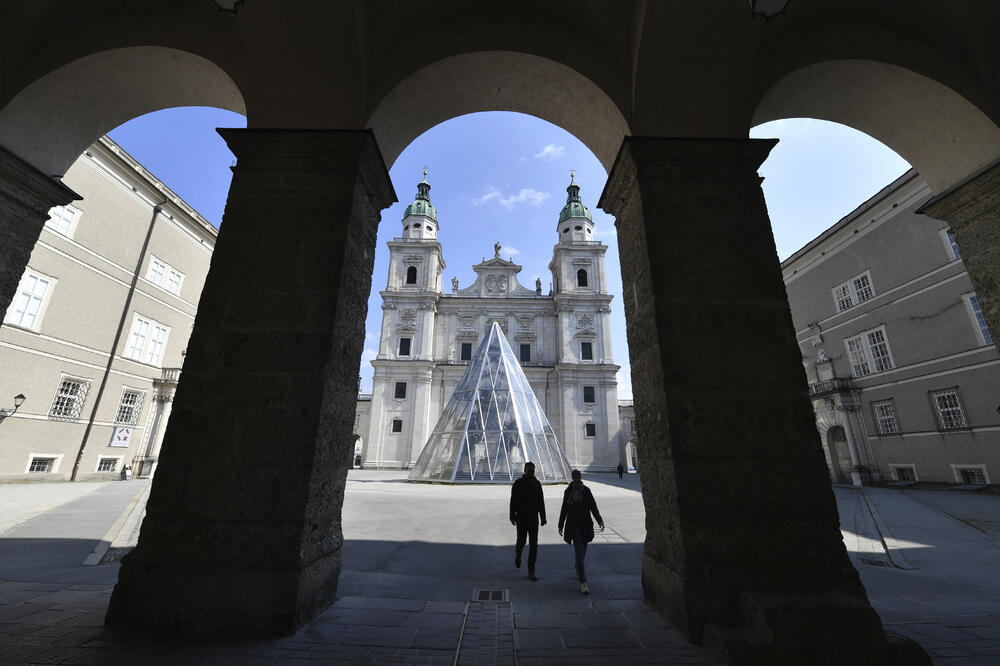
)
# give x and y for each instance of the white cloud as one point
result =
(606, 232)
(528, 195)
(509, 251)
(492, 194)
(368, 354)
(551, 152)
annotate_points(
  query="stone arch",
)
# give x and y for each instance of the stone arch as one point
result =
(498, 81)
(939, 132)
(50, 122)
(631, 456)
(835, 441)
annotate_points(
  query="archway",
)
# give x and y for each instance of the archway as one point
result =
(631, 457)
(840, 456)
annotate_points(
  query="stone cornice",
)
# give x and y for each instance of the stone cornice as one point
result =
(29, 192)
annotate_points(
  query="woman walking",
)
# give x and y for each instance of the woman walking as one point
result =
(577, 506)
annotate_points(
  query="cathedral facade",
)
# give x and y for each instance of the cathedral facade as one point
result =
(428, 337)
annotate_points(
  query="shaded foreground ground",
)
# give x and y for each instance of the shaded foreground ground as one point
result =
(415, 554)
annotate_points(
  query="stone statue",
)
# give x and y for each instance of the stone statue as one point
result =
(496, 250)
(538, 285)
(454, 283)
(451, 354)
(821, 356)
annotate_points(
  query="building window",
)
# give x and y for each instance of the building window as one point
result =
(107, 464)
(885, 417)
(146, 341)
(856, 290)
(397, 425)
(404, 346)
(581, 278)
(525, 353)
(400, 390)
(904, 472)
(590, 430)
(588, 394)
(466, 351)
(164, 275)
(70, 397)
(129, 407)
(950, 244)
(61, 219)
(949, 410)
(26, 308)
(971, 475)
(869, 352)
(411, 274)
(976, 312)
(587, 351)
(41, 465)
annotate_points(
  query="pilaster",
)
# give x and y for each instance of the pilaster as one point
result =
(26, 195)
(743, 548)
(243, 528)
(972, 210)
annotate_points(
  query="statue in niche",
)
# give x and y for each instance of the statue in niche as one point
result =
(451, 353)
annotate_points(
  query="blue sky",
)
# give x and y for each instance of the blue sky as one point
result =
(502, 177)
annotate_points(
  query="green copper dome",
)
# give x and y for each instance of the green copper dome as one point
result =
(422, 204)
(574, 207)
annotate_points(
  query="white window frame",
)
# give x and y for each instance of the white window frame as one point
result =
(146, 341)
(860, 355)
(585, 435)
(161, 274)
(393, 421)
(81, 399)
(74, 218)
(97, 466)
(12, 318)
(56, 462)
(395, 390)
(939, 414)
(978, 320)
(893, 467)
(957, 471)
(587, 342)
(954, 252)
(882, 423)
(137, 408)
(593, 387)
(848, 294)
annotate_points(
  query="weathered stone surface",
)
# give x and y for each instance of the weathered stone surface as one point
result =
(973, 211)
(741, 521)
(243, 526)
(26, 195)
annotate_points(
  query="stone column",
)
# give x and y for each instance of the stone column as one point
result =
(844, 412)
(972, 210)
(243, 528)
(26, 195)
(743, 548)
(163, 399)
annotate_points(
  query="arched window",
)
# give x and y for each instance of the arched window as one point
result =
(581, 278)
(411, 275)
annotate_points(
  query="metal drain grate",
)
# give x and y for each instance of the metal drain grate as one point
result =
(875, 563)
(489, 595)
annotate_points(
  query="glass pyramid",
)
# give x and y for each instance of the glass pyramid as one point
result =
(492, 425)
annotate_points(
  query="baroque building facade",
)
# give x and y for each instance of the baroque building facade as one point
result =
(902, 366)
(95, 335)
(428, 336)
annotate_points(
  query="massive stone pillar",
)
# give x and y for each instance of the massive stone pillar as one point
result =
(743, 548)
(26, 195)
(972, 209)
(243, 528)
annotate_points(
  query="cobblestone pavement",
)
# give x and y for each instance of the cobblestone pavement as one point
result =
(415, 554)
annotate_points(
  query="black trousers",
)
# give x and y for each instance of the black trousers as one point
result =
(527, 529)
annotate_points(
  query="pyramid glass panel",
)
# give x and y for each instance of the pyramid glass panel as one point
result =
(492, 425)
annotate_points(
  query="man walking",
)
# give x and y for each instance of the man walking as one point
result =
(621, 470)
(577, 507)
(527, 505)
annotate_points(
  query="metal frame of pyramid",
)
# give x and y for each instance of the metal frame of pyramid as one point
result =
(492, 425)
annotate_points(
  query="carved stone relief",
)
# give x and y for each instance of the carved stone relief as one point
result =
(496, 284)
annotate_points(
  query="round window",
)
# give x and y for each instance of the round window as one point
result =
(566, 230)
(416, 226)
(578, 227)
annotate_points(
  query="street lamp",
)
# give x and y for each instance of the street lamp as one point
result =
(18, 401)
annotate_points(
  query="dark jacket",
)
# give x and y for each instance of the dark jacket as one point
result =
(526, 500)
(577, 506)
